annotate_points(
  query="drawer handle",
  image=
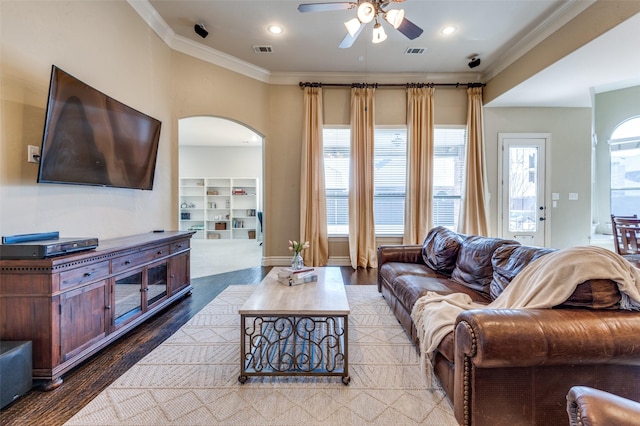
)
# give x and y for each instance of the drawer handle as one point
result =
(127, 262)
(107, 307)
(87, 274)
(179, 246)
(160, 252)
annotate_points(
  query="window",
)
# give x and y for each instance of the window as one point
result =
(390, 152)
(448, 175)
(624, 148)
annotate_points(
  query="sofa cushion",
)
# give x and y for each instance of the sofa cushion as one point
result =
(409, 288)
(392, 270)
(595, 294)
(440, 249)
(473, 266)
(508, 261)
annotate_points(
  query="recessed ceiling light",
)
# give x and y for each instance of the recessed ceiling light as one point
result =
(449, 29)
(275, 29)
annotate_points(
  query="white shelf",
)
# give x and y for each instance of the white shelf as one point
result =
(207, 201)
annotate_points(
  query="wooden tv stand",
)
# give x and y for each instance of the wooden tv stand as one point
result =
(74, 305)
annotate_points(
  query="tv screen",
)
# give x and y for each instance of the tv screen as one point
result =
(92, 139)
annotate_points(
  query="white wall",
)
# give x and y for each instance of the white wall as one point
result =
(570, 165)
(108, 46)
(611, 109)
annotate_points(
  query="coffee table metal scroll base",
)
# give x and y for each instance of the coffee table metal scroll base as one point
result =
(294, 345)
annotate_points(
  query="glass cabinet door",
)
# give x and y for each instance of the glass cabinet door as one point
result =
(127, 296)
(157, 283)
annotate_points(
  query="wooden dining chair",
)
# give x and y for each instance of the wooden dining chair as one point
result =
(616, 222)
(629, 237)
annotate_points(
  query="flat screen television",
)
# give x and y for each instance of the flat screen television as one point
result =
(91, 139)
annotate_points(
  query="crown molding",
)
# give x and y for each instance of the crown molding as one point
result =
(191, 48)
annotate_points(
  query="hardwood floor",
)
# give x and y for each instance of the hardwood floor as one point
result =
(86, 381)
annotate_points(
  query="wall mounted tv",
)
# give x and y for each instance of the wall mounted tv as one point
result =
(91, 139)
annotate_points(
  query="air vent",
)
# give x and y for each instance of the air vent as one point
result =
(414, 50)
(262, 49)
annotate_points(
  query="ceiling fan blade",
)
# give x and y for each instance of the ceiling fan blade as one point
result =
(326, 7)
(409, 29)
(349, 39)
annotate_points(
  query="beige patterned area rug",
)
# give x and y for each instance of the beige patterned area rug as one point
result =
(192, 378)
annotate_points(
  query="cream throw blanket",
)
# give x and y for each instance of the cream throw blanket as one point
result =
(546, 282)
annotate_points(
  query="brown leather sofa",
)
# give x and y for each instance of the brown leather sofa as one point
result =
(512, 367)
(592, 407)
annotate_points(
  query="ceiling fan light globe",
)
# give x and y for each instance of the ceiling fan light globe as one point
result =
(394, 17)
(366, 12)
(378, 34)
(353, 25)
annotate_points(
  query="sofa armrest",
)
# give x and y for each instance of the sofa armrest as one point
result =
(405, 253)
(502, 339)
(494, 338)
(589, 406)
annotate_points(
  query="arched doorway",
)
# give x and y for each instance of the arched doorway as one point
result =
(220, 171)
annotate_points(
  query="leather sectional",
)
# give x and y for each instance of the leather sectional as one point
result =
(507, 366)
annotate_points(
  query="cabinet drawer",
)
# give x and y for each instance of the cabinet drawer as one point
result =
(86, 274)
(179, 246)
(125, 262)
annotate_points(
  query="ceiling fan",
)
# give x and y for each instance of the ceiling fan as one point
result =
(367, 11)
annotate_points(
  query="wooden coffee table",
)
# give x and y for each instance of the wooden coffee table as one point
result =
(299, 330)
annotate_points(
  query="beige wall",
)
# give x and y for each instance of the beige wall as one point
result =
(126, 61)
(131, 64)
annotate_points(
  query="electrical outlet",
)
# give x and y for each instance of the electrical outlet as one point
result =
(33, 154)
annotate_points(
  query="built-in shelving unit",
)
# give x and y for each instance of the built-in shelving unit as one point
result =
(219, 208)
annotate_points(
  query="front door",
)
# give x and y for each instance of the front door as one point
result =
(523, 197)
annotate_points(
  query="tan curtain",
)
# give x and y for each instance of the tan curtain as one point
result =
(362, 237)
(313, 211)
(473, 210)
(418, 218)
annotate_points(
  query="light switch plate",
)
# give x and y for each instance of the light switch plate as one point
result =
(555, 195)
(573, 196)
(33, 154)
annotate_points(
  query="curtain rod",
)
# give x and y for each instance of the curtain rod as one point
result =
(375, 85)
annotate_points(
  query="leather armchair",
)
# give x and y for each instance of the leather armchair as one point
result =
(592, 407)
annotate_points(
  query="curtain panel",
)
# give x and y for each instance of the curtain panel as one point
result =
(313, 210)
(473, 210)
(418, 216)
(362, 239)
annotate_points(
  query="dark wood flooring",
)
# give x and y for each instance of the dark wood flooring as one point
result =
(86, 381)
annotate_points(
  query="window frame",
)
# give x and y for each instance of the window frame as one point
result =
(436, 199)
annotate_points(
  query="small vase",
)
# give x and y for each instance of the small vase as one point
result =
(297, 262)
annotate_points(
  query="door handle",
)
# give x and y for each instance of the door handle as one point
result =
(543, 218)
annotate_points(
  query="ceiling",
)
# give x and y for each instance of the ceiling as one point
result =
(497, 31)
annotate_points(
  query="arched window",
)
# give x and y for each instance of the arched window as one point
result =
(624, 148)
